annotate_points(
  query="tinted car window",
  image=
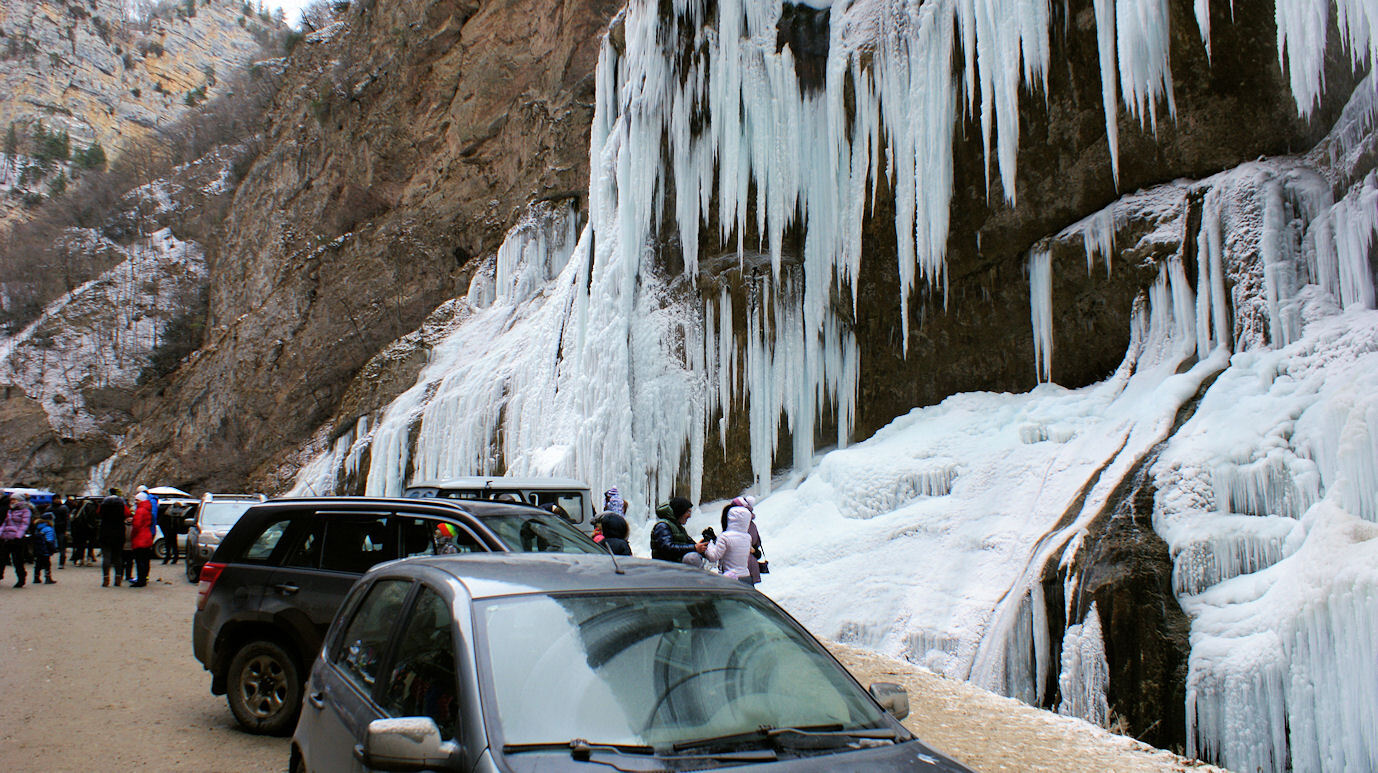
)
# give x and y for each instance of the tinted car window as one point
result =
(540, 533)
(422, 682)
(263, 545)
(366, 638)
(306, 544)
(426, 537)
(353, 543)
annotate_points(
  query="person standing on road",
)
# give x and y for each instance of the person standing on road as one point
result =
(61, 515)
(167, 523)
(141, 538)
(669, 540)
(44, 546)
(111, 517)
(12, 531)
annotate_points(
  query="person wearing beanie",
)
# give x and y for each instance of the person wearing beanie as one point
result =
(613, 502)
(16, 522)
(669, 540)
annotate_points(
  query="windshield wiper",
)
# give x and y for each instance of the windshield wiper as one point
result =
(801, 738)
(829, 736)
(583, 751)
(578, 748)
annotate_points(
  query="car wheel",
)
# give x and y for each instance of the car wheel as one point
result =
(264, 689)
(159, 548)
(193, 571)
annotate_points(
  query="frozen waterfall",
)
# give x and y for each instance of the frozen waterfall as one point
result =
(575, 353)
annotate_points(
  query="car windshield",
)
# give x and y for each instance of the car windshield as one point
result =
(531, 531)
(220, 516)
(656, 669)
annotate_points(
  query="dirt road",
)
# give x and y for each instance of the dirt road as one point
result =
(96, 678)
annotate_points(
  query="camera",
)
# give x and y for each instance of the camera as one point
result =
(709, 535)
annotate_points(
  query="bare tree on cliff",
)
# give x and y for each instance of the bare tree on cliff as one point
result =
(319, 14)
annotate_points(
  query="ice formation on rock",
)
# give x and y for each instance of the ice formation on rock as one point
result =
(1085, 674)
(574, 355)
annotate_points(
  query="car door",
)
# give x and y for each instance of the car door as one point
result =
(330, 549)
(339, 700)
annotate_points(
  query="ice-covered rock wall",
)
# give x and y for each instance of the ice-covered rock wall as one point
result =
(575, 353)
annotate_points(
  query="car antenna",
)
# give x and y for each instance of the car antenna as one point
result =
(615, 567)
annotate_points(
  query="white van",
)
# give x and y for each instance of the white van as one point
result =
(572, 496)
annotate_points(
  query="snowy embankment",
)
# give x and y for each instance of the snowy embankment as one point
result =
(989, 733)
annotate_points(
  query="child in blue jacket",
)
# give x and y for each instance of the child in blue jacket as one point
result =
(44, 546)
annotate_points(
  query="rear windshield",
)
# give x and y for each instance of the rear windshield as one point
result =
(222, 515)
(530, 532)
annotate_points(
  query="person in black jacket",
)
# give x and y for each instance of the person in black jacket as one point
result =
(61, 512)
(669, 540)
(615, 533)
(112, 514)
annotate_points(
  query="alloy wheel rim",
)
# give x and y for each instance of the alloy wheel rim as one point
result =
(263, 685)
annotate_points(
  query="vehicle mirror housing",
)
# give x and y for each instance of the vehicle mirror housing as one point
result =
(892, 698)
(404, 744)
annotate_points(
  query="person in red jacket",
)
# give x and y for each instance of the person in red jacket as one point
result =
(142, 539)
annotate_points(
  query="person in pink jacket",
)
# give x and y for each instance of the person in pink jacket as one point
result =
(141, 540)
(16, 517)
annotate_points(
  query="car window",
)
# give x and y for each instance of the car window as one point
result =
(354, 543)
(222, 515)
(570, 502)
(432, 537)
(655, 668)
(422, 681)
(530, 532)
(366, 638)
(267, 540)
(306, 543)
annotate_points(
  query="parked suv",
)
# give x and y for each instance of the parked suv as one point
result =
(571, 496)
(209, 523)
(274, 582)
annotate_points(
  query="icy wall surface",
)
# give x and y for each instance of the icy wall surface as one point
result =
(573, 354)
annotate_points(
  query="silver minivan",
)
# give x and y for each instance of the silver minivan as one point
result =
(572, 496)
(504, 662)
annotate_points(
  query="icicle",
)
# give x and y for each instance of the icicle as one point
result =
(1085, 673)
(1041, 311)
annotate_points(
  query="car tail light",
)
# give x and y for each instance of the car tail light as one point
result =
(209, 574)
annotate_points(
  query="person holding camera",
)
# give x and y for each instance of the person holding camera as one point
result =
(732, 549)
(669, 540)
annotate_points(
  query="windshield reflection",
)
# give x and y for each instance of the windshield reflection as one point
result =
(657, 669)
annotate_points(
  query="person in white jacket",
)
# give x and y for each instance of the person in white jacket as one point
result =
(732, 548)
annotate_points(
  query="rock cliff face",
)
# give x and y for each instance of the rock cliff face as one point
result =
(410, 138)
(88, 69)
(406, 142)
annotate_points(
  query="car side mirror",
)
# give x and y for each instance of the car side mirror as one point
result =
(404, 744)
(892, 698)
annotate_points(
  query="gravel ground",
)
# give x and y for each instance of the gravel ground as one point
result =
(104, 679)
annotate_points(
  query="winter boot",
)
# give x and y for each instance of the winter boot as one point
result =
(48, 578)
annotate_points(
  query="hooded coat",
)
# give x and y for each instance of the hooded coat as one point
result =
(17, 520)
(142, 536)
(111, 516)
(732, 548)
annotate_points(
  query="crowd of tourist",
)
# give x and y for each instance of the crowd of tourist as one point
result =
(122, 531)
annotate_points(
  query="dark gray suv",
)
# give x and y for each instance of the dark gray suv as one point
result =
(269, 591)
(579, 663)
